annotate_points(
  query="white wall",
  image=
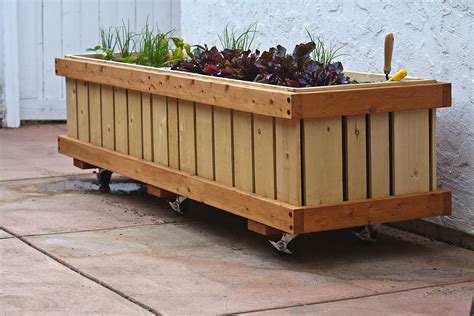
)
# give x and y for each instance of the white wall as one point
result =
(2, 71)
(433, 39)
(53, 28)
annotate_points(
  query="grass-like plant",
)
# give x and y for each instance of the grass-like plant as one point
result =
(324, 54)
(231, 39)
(124, 38)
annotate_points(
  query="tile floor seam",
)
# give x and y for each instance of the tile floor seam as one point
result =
(98, 229)
(83, 274)
(66, 176)
(352, 298)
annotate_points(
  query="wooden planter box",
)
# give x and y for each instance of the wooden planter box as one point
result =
(292, 160)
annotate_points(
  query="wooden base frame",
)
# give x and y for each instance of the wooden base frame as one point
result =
(267, 212)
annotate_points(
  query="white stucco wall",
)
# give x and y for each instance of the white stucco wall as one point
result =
(433, 39)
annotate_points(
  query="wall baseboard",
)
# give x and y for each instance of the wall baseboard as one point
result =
(437, 232)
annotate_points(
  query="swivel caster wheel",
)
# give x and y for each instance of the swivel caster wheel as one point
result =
(282, 245)
(179, 204)
(103, 178)
(367, 233)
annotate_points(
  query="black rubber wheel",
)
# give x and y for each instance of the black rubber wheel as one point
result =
(103, 178)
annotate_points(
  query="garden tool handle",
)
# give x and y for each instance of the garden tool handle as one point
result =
(388, 50)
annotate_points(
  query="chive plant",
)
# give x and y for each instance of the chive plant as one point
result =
(322, 53)
(231, 39)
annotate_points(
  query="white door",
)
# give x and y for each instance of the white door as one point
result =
(52, 28)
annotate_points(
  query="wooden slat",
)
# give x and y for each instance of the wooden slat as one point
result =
(95, 114)
(372, 211)
(159, 192)
(378, 155)
(187, 145)
(147, 127)
(229, 94)
(356, 155)
(135, 135)
(411, 157)
(223, 146)
(108, 128)
(160, 130)
(71, 107)
(204, 141)
(262, 229)
(121, 120)
(264, 156)
(323, 160)
(83, 110)
(433, 165)
(173, 133)
(82, 165)
(266, 211)
(243, 151)
(372, 100)
(288, 161)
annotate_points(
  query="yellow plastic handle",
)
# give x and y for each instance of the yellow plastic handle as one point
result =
(399, 75)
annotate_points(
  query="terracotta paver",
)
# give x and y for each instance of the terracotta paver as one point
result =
(31, 282)
(32, 152)
(453, 299)
(195, 267)
(65, 204)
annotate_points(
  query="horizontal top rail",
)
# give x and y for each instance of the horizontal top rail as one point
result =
(264, 99)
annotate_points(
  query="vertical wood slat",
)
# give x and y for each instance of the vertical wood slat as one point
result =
(411, 157)
(433, 161)
(108, 128)
(121, 120)
(95, 114)
(223, 146)
(187, 146)
(160, 129)
(204, 141)
(173, 133)
(147, 127)
(378, 155)
(243, 150)
(135, 136)
(71, 107)
(288, 161)
(323, 165)
(264, 155)
(356, 153)
(83, 110)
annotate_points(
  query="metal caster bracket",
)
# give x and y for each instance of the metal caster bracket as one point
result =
(177, 206)
(368, 233)
(103, 178)
(282, 244)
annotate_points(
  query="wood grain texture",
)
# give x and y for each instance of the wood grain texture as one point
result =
(323, 160)
(288, 161)
(266, 211)
(262, 229)
(356, 153)
(83, 110)
(204, 141)
(135, 135)
(187, 140)
(173, 133)
(108, 125)
(71, 107)
(378, 155)
(147, 127)
(160, 129)
(411, 157)
(95, 114)
(121, 120)
(372, 211)
(243, 151)
(433, 161)
(264, 155)
(223, 146)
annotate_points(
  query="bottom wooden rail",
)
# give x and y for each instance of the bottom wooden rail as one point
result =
(278, 215)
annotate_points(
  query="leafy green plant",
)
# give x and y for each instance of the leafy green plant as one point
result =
(230, 39)
(322, 53)
(108, 43)
(124, 39)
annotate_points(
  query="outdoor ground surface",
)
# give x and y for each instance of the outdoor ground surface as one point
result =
(66, 248)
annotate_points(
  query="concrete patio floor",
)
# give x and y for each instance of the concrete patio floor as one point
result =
(65, 248)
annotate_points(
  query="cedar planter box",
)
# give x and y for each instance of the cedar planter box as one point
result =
(294, 160)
